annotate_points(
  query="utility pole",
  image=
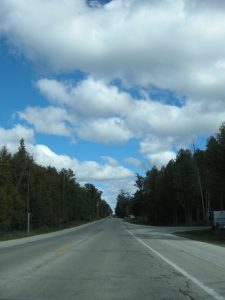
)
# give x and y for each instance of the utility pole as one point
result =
(199, 183)
(28, 202)
(63, 198)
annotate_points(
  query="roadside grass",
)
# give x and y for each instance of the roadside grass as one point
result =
(5, 236)
(216, 237)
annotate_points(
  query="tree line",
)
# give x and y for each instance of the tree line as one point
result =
(185, 191)
(49, 197)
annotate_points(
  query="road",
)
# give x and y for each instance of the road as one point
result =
(111, 259)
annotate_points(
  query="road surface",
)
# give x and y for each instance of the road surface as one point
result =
(111, 259)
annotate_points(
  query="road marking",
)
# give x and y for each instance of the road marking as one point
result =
(205, 288)
(66, 248)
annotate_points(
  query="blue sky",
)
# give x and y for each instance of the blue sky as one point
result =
(110, 88)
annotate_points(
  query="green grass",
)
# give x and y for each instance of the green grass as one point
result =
(5, 236)
(216, 237)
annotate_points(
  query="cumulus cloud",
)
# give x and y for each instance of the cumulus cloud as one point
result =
(157, 151)
(111, 130)
(85, 171)
(48, 120)
(170, 44)
(90, 98)
(110, 160)
(96, 100)
(114, 187)
(98, 111)
(93, 110)
(174, 45)
(54, 90)
(106, 114)
(136, 162)
(11, 137)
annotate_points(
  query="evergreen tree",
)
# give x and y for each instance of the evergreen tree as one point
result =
(51, 198)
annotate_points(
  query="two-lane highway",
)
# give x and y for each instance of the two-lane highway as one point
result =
(111, 259)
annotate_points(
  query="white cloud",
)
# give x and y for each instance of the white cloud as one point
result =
(176, 45)
(11, 137)
(111, 130)
(114, 187)
(136, 162)
(111, 161)
(48, 120)
(54, 90)
(84, 171)
(171, 44)
(157, 151)
(99, 105)
(89, 98)
(95, 110)
(161, 158)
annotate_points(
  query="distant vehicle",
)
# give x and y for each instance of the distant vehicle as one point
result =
(218, 220)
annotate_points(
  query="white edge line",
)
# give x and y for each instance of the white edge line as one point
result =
(207, 289)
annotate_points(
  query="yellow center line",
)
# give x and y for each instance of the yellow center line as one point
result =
(63, 250)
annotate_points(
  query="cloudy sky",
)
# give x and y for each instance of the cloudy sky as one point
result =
(110, 88)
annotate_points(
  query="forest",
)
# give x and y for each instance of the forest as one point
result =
(44, 196)
(185, 191)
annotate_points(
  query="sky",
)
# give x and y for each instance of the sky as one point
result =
(110, 88)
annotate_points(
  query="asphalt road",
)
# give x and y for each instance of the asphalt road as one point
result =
(111, 259)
